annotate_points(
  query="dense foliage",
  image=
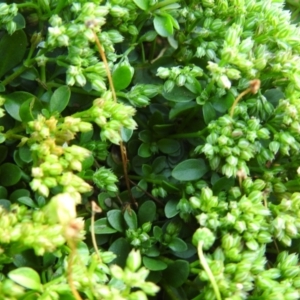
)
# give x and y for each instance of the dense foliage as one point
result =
(149, 149)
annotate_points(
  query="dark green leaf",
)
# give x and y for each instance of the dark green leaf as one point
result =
(3, 153)
(177, 245)
(26, 277)
(130, 219)
(20, 21)
(223, 184)
(142, 4)
(122, 77)
(154, 264)
(177, 273)
(14, 101)
(5, 203)
(190, 169)
(144, 150)
(209, 112)
(179, 94)
(10, 174)
(168, 146)
(145, 136)
(189, 252)
(159, 164)
(193, 85)
(223, 104)
(171, 208)
(163, 25)
(15, 195)
(147, 170)
(121, 248)
(138, 191)
(3, 192)
(147, 212)
(12, 49)
(274, 95)
(157, 232)
(116, 220)
(60, 99)
(102, 227)
(181, 107)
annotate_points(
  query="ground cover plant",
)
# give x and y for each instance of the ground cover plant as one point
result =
(149, 149)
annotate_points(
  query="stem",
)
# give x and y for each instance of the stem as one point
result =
(70, 272)
(208, 271)
(14, 75)
(93, 230)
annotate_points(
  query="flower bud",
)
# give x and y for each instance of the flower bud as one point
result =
(134, 260)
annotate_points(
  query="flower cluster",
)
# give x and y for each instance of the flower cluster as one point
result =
(7, 14)
(231, 144)
(179, 76)
(54, 160)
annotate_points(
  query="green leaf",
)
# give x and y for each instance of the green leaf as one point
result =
(30, 109)
(223, 104)
(26, 277)
(116, 220)
(3, 153)
(126, 134)
(171, 208)
(121, 248)
(168, 146)
(102, 227)
(177, 245)
(159, 164)
(274, 95)
(20, 21)
(122, 77)
(12, 49)
(223, 184)
(181, 107)
(15, 195)
(14, 101)
(145, 136)
(209, 112)
(142, 4)
(27, 201)
(3, 192)
(139, 192)
(189, 252)
(10, 174)
(177, 273)
(144, 150)
(157, 232)
(190, 169)
(179, 94)
(154, 264)
(147, 212)
(130, 219)
(60, 99)
(25, 154)
(5, 203)
(163, 25)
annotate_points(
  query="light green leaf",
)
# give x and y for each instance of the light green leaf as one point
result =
(163, 25)
(171, 208)
(142, 4)
(26, 277)
(122, 77)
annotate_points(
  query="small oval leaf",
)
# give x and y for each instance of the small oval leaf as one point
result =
(60, 99)
(115, 219)
(121, 77)
(191, 169)
(163, 25)
(130, 219)
(26, 277)
(10, 174)
(154, 264)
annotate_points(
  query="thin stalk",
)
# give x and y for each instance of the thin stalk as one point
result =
(208, 271)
